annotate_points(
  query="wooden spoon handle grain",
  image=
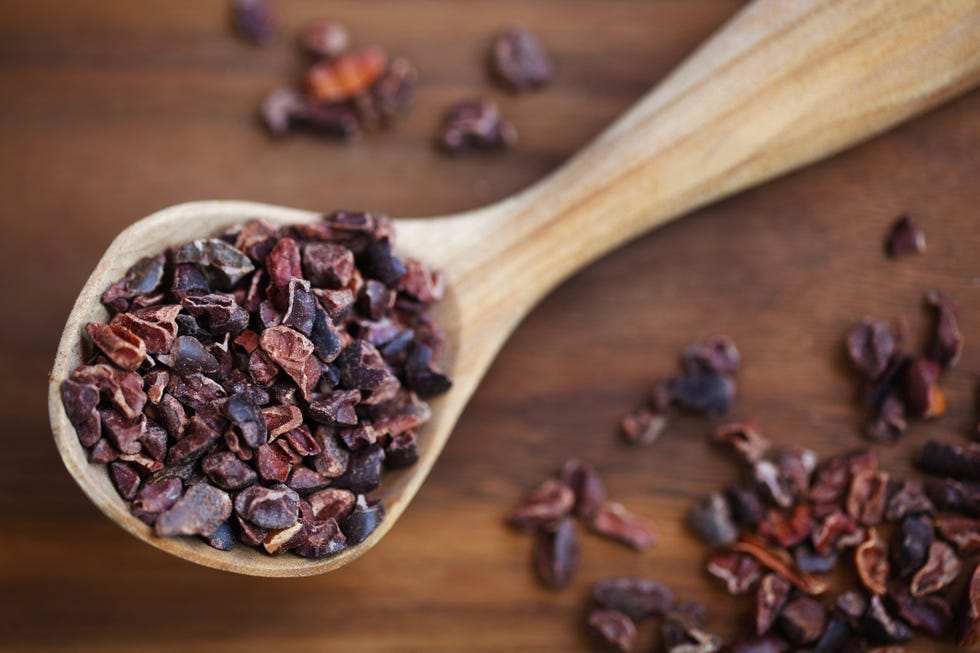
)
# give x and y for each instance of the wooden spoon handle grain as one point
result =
(780, 85)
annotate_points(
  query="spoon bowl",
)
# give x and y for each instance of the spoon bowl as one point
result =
(779, 86)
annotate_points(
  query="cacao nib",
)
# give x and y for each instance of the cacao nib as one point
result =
(923, 396)
(867, 497)
(711, 520)
(911, 544)
(476, 124)
(222, 539)
(546, 506)
(745, 439)
(325, 39)
(904, 237)
(881, 628)
(587, 487)
(803, 620)
(683, 630)
(643, 426)
(614, 521)
(746, 505)
(969, 612)
(951, 460)
(941, 568)
(201, 511)
(81, 401)
(557, 554)
(910, 499)
(947, 341)
(519, 61)
(637, 598)
(870, 345)
(363, 520)
(254, 20)
(125, 478)
(614, 627)
(962, 532)
(871, 561)
(770, 597)
(933, 614)
(363, 472)
(738, 571)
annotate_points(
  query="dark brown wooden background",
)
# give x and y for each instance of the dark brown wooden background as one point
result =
(110, 110)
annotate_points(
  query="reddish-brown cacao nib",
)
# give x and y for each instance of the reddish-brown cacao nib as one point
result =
(947, 340)
(155, 497)
(954, 496)
(904, 237)
(778, 561)
(827, 535)
(923, 396)
(545, 506)
(962, 532)
(746, 505)
(614, 521)
(969, 612)
(557, 554)
(476, 124)
(739, 571)
(867, 497)
(745, 439)
(81, 402)
(683, 630)
(346, 76)
(871, 562)
(615, 628)
(519, 61)
(119, 344)
(637, 598)
(589, 491)
(870, 344)
(787, 529)
(802, 620)
(941, 568)
(125, 478)
(910, 499)
(770, 597)
(643, 426)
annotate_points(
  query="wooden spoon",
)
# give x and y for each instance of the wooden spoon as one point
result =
(781, 85)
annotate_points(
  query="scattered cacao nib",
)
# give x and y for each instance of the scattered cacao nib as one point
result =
(615, 628)
(711, 520)
(933, 614)
(241, 386)
(325, 39)
(739, 571)
(745, 439)
(643, 426)
(870, 344)
(546, 506)
(852, 604)
(871, 561)
(518, 60)
(880, 627)
(969, 612)
(923, 396)
(557, 554)
(201, 511)
(346, 76)
(770, 597)
(760, 644)
(254, 20)
(911, 543)
(614, 521)
(787, 529)
(802, 620)
(888, 424)
(476, 124)
(904, 237)
(941, 568)
(589, 491)
(828, 535)
(947, 340)
(950, 460)
(637, 598)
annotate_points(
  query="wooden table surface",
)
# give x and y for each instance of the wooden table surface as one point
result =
(111, 110)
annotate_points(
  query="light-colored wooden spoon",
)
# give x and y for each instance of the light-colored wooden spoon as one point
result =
(781, 85)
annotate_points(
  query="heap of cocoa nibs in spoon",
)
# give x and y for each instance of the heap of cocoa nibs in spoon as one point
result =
(253, 385)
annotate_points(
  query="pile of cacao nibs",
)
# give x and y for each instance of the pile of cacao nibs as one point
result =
(911, 543)
(345, 90)
(253, 385)
(549, 511)
(899, 385)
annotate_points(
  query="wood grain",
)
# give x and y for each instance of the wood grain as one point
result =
(155, 108)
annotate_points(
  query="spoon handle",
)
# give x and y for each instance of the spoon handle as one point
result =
(782, 84)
